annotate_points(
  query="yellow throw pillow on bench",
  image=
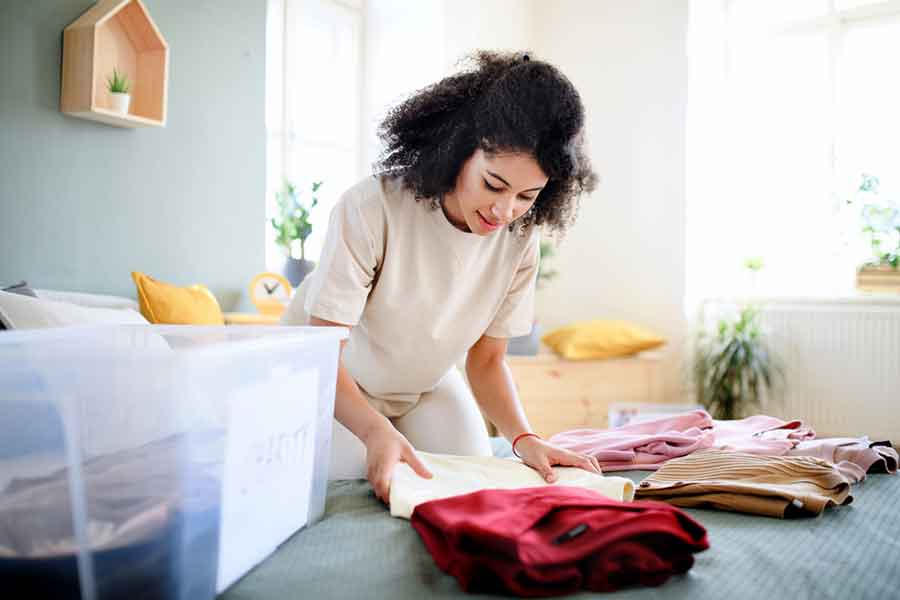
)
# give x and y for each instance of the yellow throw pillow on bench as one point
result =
(601, 339)
(165, 303)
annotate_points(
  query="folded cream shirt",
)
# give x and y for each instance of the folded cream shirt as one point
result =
(455, 475)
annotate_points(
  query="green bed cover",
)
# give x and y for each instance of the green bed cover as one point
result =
(358, 551)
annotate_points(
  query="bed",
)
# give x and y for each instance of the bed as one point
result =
(358, 551)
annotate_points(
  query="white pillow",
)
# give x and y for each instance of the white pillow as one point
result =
(89, 300)
(24, 312)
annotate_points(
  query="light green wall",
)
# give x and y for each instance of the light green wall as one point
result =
(82, 204)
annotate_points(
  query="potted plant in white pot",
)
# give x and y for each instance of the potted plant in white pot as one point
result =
(119, 88)
(292, 227)
(879, 218)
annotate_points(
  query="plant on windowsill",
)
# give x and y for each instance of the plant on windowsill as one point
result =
(880, 225)
(119, 86)
(292, 227)
(734, 370)
(528, 345)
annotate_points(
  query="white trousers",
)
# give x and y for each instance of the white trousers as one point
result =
(446, 420)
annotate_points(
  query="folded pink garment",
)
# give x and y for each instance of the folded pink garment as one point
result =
(649, 444)
(867, 457)
(641, 445)
(760, 434)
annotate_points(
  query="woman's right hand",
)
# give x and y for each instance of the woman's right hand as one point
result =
(385, 447)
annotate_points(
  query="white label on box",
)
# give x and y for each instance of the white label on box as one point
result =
(268, 469)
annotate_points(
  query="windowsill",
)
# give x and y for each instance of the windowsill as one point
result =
(886, 299)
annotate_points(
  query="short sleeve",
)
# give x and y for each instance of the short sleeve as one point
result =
(351, 256)
(516, 314)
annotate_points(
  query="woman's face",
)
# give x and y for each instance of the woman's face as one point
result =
(493, 190)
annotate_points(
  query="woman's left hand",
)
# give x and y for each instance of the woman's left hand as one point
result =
(541, 455)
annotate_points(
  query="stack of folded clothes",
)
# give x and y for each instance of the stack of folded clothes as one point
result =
(759, 465)
(497, 526)
(774, 486)
(552, 540)
(650, 444)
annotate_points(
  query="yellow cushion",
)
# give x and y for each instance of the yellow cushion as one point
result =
(165, 303)
(601, 339)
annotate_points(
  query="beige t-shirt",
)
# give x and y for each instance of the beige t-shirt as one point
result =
(418, 291)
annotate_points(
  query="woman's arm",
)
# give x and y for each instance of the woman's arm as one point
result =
(385, 446)
(494, 389)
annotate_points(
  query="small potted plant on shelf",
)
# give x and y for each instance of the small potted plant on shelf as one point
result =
(733, 369)
(879, 218)
(528, 345)
(119, 88)
(292, 227)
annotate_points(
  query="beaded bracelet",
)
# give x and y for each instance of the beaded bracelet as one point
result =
(519, 437)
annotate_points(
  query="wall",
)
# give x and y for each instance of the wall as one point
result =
(412, 44)
(83, 204)
(625, 257)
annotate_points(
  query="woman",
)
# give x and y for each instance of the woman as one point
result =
(436, 257)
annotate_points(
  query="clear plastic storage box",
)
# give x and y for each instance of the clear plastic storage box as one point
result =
(158, 461)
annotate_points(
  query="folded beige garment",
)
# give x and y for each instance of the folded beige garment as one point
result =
(774, 486)
(455, 475)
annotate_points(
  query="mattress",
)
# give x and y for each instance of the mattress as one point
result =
(359, 551)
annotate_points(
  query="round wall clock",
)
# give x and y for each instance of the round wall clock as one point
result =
(270, 292)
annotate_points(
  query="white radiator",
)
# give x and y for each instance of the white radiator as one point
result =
(841, 360)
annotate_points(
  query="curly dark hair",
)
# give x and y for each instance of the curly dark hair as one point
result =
(499, 102)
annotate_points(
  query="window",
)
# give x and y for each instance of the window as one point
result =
(313, 106)
(789, 104)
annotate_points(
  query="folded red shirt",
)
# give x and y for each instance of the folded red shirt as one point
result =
(552, 540)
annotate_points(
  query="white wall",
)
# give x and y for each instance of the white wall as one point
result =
(489, 25)
(625, 257)
(412, 44)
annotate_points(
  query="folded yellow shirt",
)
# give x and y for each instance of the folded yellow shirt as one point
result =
(165, 303)
(601, 339)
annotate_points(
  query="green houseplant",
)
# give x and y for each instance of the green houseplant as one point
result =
(733, 367)
(545, 273)
(119, 88)
(879, 220)
(292, 228)
(528, 345)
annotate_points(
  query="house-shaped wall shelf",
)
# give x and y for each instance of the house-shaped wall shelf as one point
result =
(115, 34)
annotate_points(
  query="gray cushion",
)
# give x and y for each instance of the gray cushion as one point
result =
(22, 312)
(16, 288)
(20, 288)
(87, 300)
